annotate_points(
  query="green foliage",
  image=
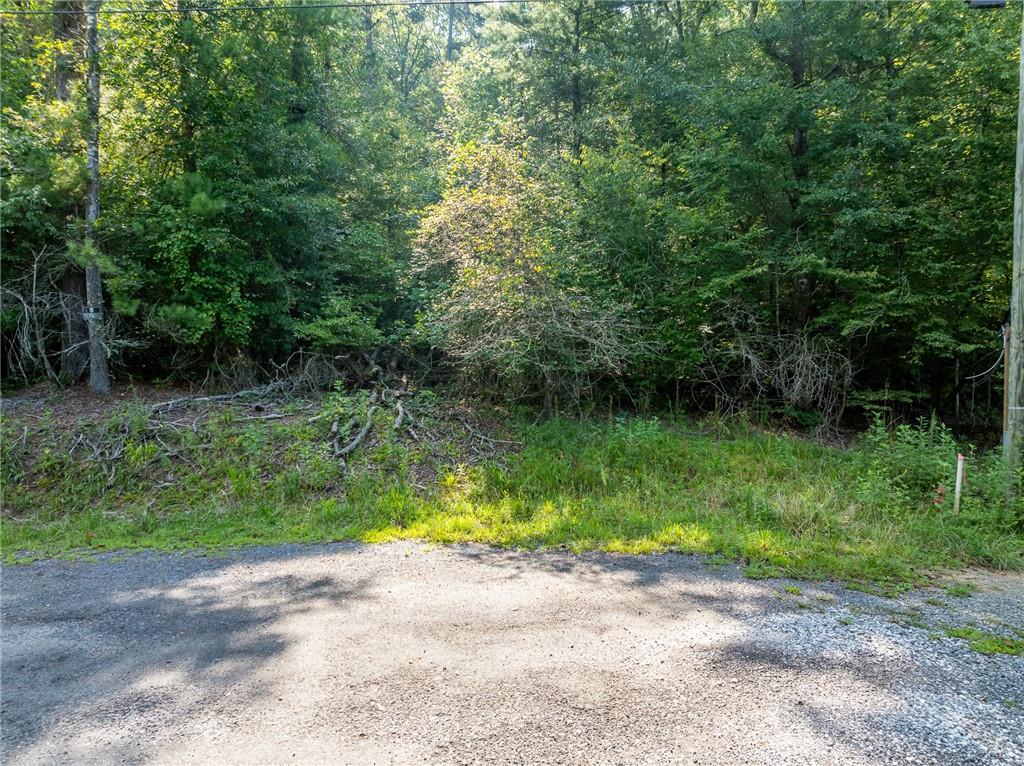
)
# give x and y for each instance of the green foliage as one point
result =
(259, 172)
(186, 324)
(504, 305)
(788, 169)
(914, 464)
(700, 175)
(960, 589)
(339, 326)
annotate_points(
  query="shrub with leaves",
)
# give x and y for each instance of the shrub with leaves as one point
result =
(502, 307)
(910, 465)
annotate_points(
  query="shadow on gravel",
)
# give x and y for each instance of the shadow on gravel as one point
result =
(679, 573)
(191, 638)
(891, 692)
(78, 642)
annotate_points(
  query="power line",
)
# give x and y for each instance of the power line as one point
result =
(1002, 351)
(990, 370)
(313, 6)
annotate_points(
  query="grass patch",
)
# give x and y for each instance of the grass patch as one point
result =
(779, 504)
(988, 643)
(961, 589)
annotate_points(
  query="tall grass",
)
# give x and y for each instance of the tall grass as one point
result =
(780, 504)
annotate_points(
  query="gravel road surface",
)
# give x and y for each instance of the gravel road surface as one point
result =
(407, 654)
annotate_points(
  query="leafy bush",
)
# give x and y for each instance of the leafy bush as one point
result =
(909, 465)
(992, 493)
(340, 327)
(913, 465)
(503, 307)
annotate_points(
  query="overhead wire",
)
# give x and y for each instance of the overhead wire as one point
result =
(989, 370)
(995, 366)
(241, 7)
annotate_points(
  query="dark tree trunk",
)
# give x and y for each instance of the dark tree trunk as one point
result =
(576, 86)
(74, 357)
(188, 124)
(449, 48)
(67, 32)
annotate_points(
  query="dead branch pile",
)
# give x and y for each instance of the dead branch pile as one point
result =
(43, 314)
(442, 433)
(796, 369)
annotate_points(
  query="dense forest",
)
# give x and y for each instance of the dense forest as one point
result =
(805, 204)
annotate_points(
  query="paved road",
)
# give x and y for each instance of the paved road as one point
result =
(350, 654)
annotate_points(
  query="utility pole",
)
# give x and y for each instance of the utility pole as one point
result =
(1013, 385)
(99, 374)
(1013, 438)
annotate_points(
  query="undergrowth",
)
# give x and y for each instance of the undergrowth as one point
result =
(781, 504)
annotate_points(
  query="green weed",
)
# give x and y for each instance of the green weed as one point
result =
(988, 643)
(961, 589)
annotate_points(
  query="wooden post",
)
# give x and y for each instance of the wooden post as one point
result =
(1006, 387)
(959, 482)
(1014, 437)
(99, 375)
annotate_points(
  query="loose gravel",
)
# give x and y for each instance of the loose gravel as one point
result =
(408, 654)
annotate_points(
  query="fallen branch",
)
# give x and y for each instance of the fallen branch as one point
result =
(80, 439)
(189, 400)
(351, 446)
(342, 452)
(486, 438)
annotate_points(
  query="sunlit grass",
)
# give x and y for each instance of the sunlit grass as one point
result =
(779, 504)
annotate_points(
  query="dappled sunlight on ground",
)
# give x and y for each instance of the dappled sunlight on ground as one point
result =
(416, 653)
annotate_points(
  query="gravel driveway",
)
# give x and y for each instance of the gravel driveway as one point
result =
(401, 653)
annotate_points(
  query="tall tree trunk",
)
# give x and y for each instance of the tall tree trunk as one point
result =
(576, 86)
(798, 67)
(188, 125)
(449, 48)
(99, 375)
(369, 49)
(300, 66)
(67, 26)
(74, 356)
